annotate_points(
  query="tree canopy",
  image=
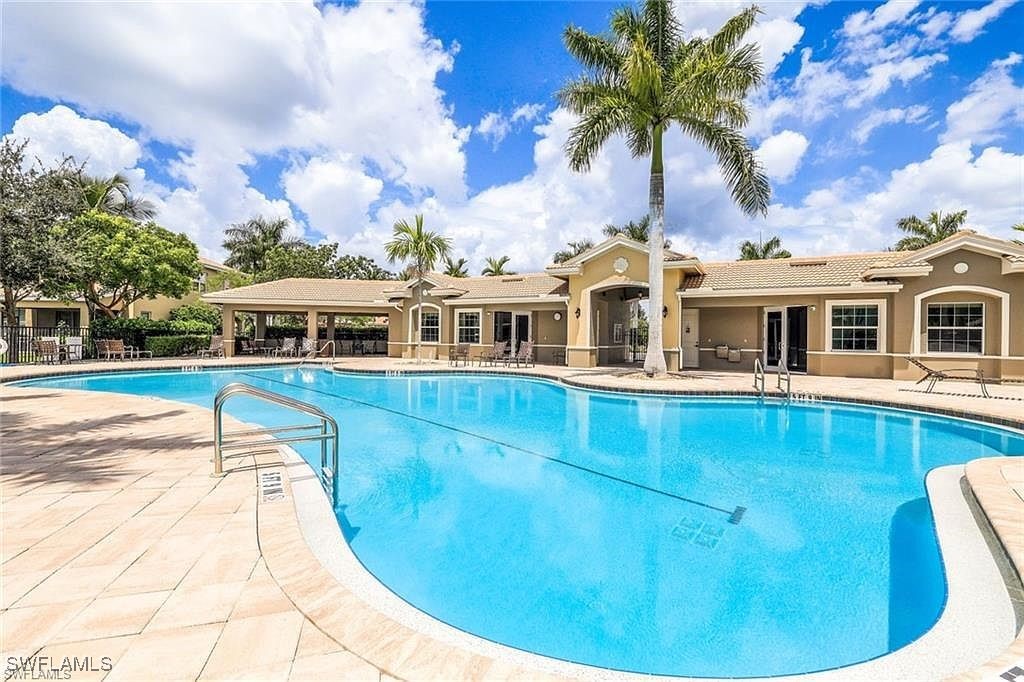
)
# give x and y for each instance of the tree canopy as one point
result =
(455, 268)
(571, 250)
(637, 230)
(249, 242)
(496, 266)
(118, 261)
(760, 250)
(936, 227)
(114, 195)
(359, 267)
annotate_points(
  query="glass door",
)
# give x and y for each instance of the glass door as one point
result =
(522, 330)
(796, 338)
(774, 336)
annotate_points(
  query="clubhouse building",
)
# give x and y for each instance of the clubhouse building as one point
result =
(958, 303)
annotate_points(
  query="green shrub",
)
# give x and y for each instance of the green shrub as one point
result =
(172, 346)
(280, 331)
(198, 312)
(136, 331)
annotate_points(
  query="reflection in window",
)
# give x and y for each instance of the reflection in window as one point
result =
(956, 327)
(855, 327)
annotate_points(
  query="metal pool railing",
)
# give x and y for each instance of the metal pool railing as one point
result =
(325, 431)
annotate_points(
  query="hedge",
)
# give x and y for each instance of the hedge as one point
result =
(137, 331)
(171, 346)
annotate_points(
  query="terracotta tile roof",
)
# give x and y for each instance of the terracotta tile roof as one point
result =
(312, 290)
(503, 286)
(790, 272)
(214, 265)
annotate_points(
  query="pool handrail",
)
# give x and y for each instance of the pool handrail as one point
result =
(759, 375)
(327, 427)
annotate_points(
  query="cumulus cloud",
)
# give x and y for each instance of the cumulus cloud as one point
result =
(880, 117)
(495, 126)
(994, 103)
(781, 154)
(971, 23)
(60, 132)
(334, 193)
(864, 22)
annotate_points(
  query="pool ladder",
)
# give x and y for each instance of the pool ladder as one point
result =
(324, 431)
(783, 370)
(314, 354)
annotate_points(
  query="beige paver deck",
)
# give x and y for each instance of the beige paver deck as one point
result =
(117, 542)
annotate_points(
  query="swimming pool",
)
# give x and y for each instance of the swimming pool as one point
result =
(704, 537)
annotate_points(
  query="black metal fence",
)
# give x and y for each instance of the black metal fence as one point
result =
(637, 344)
(20, 348)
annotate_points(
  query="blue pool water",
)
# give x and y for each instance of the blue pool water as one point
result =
(595, 527)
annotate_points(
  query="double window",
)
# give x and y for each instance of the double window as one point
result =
(467, 325)
(956, 327)
(855, 327)
(431, 330)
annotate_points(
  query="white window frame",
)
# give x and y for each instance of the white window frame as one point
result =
(883, 323)
(414, 318)
(927, 327)
(479, 325)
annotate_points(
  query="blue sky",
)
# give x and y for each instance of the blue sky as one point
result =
(345, 118)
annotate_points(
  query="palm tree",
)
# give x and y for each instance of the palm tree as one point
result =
(638, 231)
(113, 195)
(1020, 228)
(495, 267)
(422, 250)
(929, 231)
(250, 242)
(572, 250)
(645, 77)
(455, 268)
(760, 250)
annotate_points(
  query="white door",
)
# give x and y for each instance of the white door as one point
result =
(690, 338)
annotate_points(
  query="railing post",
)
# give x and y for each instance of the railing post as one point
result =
(218, 461)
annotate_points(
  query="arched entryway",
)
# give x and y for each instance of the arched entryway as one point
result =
(618, 322)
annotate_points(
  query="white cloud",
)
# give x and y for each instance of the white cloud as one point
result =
(335, 194)
(970, 23)
(880, 77)
(495, 126)
(864, 22)
(781, 154)
(880, 117)
(994, 102)
(59, 132)
(936, 25)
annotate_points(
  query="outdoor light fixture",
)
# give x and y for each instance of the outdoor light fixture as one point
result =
(577, 313)
(557, 316)
(664, 311)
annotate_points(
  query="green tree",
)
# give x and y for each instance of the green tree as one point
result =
(359, 267)
(638, 230)
(113, 195)
(571, 250)
(249, 242)
(227, 279)
(34, 199)
(645, 77)
(760, 250)
(936, 227)
(118, 261)
(421, 249)
(496, 266)
(299, 260)
(1020, 228)
(455, 268)
(200, 311)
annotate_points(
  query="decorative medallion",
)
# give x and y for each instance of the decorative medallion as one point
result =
(961, 267)
(620, 265)
(558, 316)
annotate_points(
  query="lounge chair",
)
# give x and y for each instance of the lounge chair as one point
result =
(460, 352)
(117, 345)
(345, 347)
(105, 350)
(47, 350)
(247, 347)
(523, 355)
(498, 352)
(308, 349)
(288, 346)
(216, 349)
(934, 376)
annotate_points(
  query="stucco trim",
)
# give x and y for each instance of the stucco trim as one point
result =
(883, 323)
(464, 302)
(789, 291)
(1004, 316)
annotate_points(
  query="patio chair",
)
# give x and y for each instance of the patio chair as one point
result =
(380, 347)
(74, 348)
(496, 353)
(47, 350)
(460, 352)
(126, 351)
(288, 346)
(345, 347)
(248, 348)
(270, 346)
(524, 355)
(934, 376)
(308, 349)
(216, 349)
(107, 350)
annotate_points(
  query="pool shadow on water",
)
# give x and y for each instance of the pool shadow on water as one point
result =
(917, 585)
(348, 531)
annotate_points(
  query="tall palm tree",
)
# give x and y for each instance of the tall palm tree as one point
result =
(760, 250)
(1020, 228)
(249, 242)
(113, 195)
(638, 230)
(422, 250)
(572, 249)
(455, 268)
(934, 228)
(644, 77)
(496, 266)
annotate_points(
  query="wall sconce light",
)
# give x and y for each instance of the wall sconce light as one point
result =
(664, 311)
(814, 308)
(557, 316)
(577, 313)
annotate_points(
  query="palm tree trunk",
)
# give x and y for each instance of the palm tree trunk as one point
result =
(654, 362)
(419, 310)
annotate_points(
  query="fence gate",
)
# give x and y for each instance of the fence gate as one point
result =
(637, 344)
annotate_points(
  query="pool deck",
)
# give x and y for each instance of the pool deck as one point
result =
(117, 542)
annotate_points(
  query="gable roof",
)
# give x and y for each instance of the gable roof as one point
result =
(302, 291)
(575, 264)
(965, 239)
(526, 285)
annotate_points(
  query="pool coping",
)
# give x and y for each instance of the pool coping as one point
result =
(387, 638)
